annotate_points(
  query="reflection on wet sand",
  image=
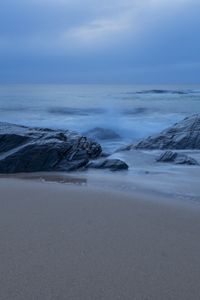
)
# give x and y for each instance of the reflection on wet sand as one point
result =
(53, 177)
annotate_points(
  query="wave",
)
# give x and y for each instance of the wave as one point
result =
(160, 91)
(178, 92)
(75, 111)
(137, 111)
(102, 134)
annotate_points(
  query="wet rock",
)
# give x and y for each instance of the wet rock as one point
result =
(24, 149)
(112, 164)
(105, 154)
(182, 135)
(102, 134)
(177, 158)
(167, 156)
(8, 141)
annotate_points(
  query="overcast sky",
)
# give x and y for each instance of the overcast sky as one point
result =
(99, 41)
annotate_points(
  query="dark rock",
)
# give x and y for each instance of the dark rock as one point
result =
(163, 92)
(183, 159)
(112, 164)
(102, 134)
(177, 158)
(167, 156)
(105, 154)
(8, 141)
(24, 149)
(182, 135)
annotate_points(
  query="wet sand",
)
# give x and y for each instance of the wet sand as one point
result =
(59, 241)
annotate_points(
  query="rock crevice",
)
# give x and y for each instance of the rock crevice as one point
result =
(24, 149)
(184, 135)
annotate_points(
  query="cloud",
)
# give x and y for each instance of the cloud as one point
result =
(97, 32)
(89, 37)
(67, 22)
(128, 19)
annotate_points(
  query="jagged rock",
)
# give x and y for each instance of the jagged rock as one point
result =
(177, 158)
(24, 149)
(105, 154)
(9, 141)
(183, 159)
(112, 164)
(102, 134)
(167, 156)
(182, 135)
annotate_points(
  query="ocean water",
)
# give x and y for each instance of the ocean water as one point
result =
(113, 115)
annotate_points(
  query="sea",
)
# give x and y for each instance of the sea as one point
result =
(114, 115)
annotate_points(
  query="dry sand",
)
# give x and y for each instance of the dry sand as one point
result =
(66, 242)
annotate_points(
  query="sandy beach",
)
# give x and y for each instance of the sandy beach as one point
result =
(99, 150)
(71, 242)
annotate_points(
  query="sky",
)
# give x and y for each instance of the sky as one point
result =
(93, 41)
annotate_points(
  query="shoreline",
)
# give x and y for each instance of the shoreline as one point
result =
(177, 185)
(74, 242)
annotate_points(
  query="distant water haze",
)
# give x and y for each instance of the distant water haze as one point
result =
(113, 115)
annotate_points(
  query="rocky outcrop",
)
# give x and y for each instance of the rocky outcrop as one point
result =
(24, 149)
(177, 158)
(112, 164)
(182, 135)
(102, 134)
